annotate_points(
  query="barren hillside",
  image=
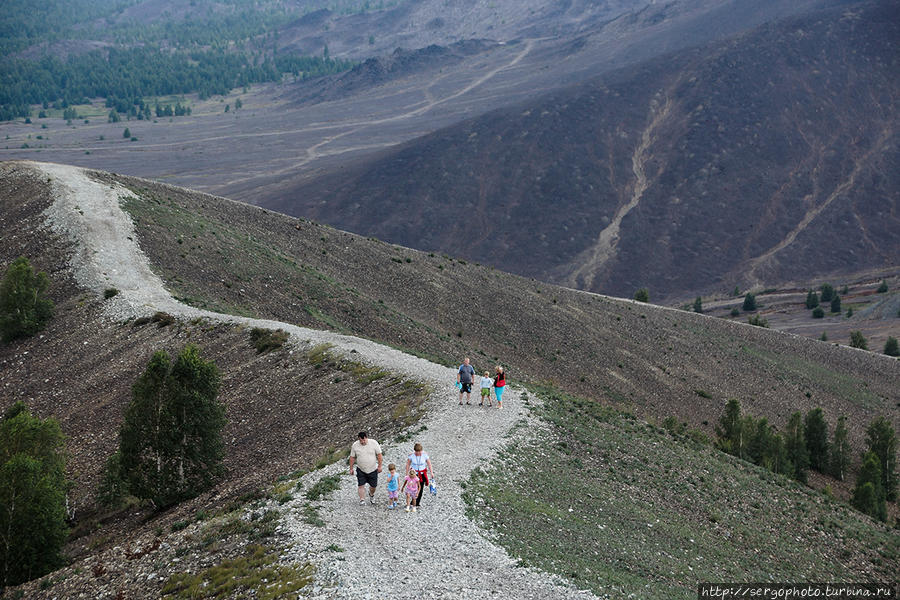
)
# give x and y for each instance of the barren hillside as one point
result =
(288, 410)
(231, 257)
(761, 160)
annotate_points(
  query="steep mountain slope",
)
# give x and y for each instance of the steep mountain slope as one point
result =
(287, 409)
(235, 258)
(750, 162)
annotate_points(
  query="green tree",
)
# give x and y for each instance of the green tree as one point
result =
(126, 134)
(171, 441)
(827, 292)
(824, 336)
(642, 295)
(881, 440)
(857, 340)
(883, 287)
(891, 347)
(836, 304)
(698, 305)
(818, 313)
(32, 496)
(816, 433)
(749, 302)
(24, 309)
(868, 495)
(729, 431)
(795, 446)
(812, 299)
(839, 452)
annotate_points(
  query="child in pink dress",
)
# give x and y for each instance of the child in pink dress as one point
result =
(411, 487)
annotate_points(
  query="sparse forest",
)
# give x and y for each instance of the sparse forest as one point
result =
(210, 55)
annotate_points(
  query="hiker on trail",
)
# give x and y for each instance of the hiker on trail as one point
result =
(367, 454)
(465, 376)
(486, 383)
(412, 487)
(393, 485)
(420, 463)
(499, 385)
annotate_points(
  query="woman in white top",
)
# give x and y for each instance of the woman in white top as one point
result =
(421, 464)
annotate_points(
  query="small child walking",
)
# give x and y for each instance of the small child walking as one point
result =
(393, 485)
(411, 487)
(486, 384)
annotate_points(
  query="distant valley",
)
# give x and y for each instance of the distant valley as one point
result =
(616, 145)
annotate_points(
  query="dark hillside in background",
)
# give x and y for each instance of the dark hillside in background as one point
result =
(231, 257)
(751, 162)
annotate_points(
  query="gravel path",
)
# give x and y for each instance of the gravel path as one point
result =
(362, 551)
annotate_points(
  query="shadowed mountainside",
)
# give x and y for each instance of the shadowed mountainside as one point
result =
(753, 161)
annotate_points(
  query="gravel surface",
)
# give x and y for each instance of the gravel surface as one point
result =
(362, 551)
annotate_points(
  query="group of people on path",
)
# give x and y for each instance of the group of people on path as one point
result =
(366, 456)
(465, 378)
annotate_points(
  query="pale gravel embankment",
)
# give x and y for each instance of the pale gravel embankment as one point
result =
(362, 551)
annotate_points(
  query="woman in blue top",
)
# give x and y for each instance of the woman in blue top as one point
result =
(421, 464)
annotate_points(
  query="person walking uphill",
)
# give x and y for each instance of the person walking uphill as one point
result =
(465, 376)
(366, 454)
(419, 462)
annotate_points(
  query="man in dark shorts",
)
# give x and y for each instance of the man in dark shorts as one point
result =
(465, 376)
(366, 454)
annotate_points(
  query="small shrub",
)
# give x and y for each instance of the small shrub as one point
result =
(857, 340)
(265, 340)
(179, 525)
(24, 309)
(109, 293)
(642, 295)
(758, 321)
(891, 347)
(836, 304)
(812, 299)
(824, 336)
(818, 313)
(162, 319)
(673, 426)
(883, 287)
(749, 302)
(735, 312)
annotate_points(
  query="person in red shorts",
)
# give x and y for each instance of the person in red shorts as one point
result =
(419, 462)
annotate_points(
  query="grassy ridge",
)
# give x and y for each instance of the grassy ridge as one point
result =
(619, 505)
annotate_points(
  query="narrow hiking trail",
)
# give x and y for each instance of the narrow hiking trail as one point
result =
(361, 551)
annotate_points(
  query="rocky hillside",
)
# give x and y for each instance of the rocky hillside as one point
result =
(289, 410)
(230, 257)
(750, 162)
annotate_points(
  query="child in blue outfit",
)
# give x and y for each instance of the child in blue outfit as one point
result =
(393, 485)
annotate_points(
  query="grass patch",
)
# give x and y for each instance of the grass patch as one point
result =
(333, 454)
(311, 515)
(811, 374)
(323, 488)
(257, 573)
(622, 507)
